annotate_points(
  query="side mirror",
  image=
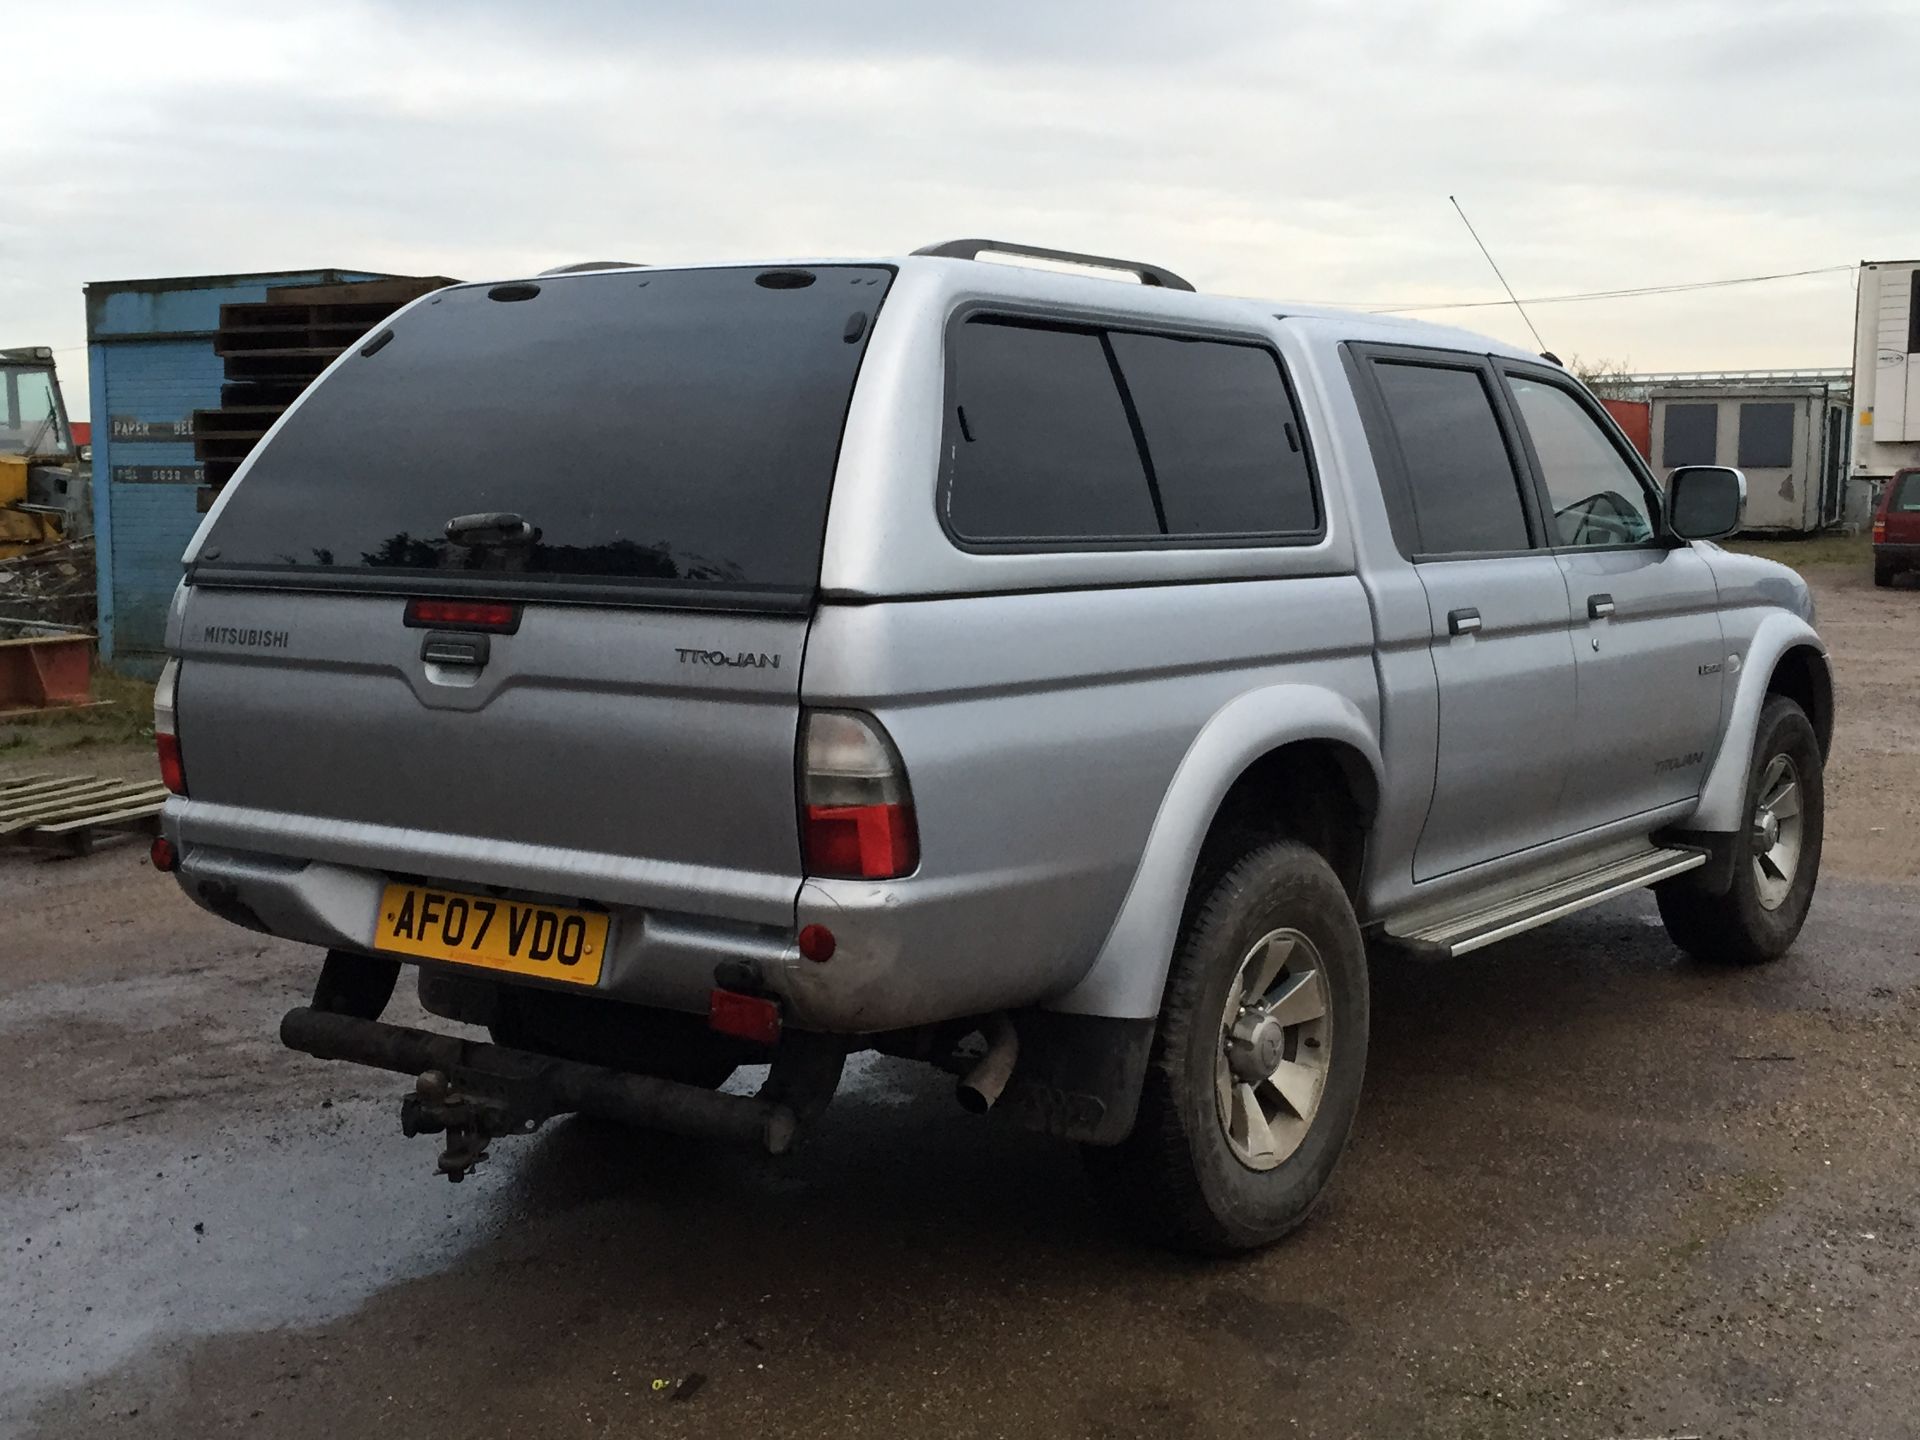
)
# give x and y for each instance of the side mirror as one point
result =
(1705, 502)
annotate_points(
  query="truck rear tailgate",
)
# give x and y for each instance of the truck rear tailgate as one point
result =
(627, 473)
(586, 732)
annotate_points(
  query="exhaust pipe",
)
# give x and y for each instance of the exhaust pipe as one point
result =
(981, 1085)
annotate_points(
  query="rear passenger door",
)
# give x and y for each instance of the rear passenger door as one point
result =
(1646, 610)
(1456, 488)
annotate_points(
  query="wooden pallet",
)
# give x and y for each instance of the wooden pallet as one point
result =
(75, 812)
(272, 349)
(27, 713)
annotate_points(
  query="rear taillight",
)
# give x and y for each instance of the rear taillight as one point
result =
(166, 739)
(172, 774)
(1879, 530)
(497, 617)
(856, 810)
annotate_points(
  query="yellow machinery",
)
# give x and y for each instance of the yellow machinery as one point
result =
(40, 469)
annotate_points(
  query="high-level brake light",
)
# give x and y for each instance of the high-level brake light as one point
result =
(498, 617)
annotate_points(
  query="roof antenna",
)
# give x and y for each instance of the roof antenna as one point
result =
(1546, 353)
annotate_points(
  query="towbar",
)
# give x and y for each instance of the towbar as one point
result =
(475, 1091)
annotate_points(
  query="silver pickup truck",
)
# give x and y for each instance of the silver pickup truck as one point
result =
(1038, 670)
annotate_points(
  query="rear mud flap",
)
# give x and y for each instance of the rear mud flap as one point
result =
(1079, 1076)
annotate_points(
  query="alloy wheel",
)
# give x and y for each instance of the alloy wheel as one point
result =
(1778, 829)
(1276, 1042)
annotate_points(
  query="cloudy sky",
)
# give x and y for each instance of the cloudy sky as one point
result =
(1293, 150)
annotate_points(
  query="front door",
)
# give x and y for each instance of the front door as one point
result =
(1646, 624)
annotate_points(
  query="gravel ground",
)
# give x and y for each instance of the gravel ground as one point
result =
(1596, 1190)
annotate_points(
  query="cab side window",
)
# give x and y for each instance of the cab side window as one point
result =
(1594, 496)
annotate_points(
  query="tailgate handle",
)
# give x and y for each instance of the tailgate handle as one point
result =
(440, 648)
(491, 527)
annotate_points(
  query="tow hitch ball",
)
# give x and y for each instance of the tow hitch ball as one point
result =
(469, 1122)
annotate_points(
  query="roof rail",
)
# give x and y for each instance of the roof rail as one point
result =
(973, 249)
(581, 266)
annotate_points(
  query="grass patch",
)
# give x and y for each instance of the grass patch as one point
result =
(1813, 552)
(125, 722)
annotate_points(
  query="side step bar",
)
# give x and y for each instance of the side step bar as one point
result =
(1459, 934)
(473, 1091)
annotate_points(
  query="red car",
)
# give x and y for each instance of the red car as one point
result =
(1896, 528)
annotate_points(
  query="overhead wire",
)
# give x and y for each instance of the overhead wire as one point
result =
(1631, 292)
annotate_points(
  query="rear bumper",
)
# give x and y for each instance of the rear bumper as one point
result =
(655, 958)
(1897, 553)
(749, 896)
(909, 952)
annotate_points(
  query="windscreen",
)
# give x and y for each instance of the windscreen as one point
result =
(30, 414)
(669, 431)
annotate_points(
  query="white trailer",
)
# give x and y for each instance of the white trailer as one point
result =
(1886, 375)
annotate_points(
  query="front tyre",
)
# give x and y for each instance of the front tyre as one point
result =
(1776, 859)
(1258, 1058)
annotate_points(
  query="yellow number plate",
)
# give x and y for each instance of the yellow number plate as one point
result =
(543, 940)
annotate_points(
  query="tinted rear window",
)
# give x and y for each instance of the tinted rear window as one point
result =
(668, 429)
(1221, 432)
(1077, 433)
(1906, 493)
(1044, 450)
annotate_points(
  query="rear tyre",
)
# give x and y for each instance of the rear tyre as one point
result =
(1883, 573)
(1776, 859)
(1257, 1062)
(593, 1031)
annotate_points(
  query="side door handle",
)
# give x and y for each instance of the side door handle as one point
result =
(1599, 607)
(1464, 621)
